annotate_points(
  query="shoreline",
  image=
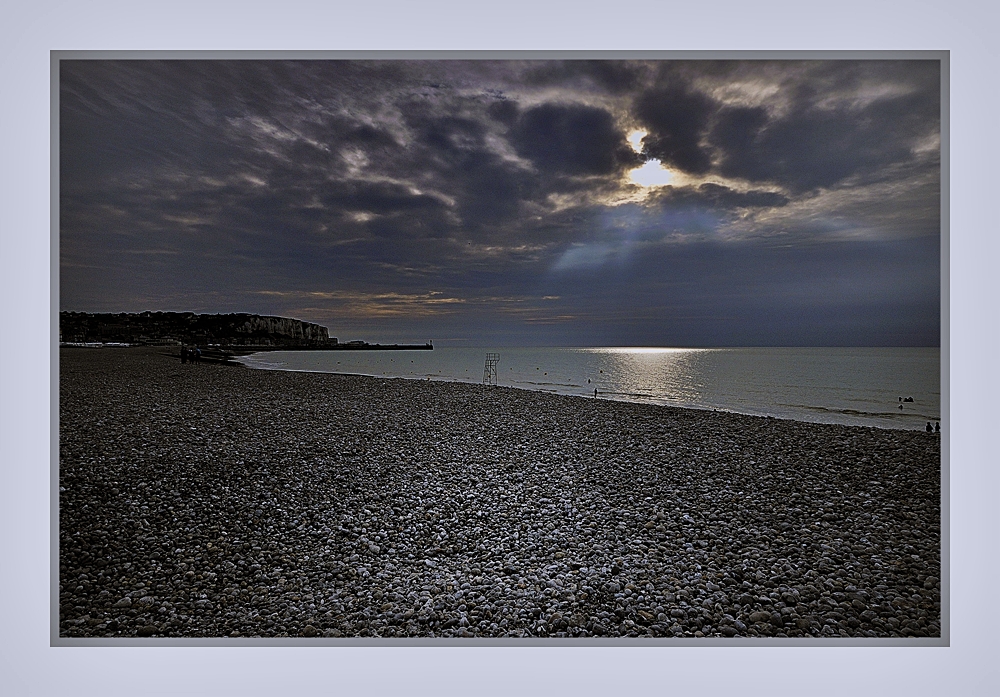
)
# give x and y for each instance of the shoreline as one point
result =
(201, 502)
(586, 396)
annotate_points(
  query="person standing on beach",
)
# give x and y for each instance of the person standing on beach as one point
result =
(184, 354)
(595, 393)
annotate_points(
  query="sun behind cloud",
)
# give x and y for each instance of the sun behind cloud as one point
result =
(635, 139)
(651, 174)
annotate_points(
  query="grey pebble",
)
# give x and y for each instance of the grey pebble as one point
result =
(340, 506)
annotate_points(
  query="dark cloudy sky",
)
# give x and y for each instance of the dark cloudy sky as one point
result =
(497, 203)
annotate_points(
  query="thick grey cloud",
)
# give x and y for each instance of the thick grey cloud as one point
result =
(492, 199)
(828, 133)
(573, 140)
(617, 77)
(716, 196)
(676, 118)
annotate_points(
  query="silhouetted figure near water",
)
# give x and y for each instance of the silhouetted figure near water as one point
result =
(595, 393)
(184, 354)
(930, 429)
(937, 427)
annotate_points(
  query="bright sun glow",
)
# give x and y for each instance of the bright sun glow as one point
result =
(651, 174)
(635, 140)
(639, 349)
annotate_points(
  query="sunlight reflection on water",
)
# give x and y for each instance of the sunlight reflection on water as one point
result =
(665, 375)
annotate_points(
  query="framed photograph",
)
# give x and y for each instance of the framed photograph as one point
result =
(511, 348)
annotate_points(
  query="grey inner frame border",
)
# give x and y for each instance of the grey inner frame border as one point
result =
(942, 56)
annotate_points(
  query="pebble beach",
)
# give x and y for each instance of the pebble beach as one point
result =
(201, 500)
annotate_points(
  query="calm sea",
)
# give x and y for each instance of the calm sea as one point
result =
(852, 386)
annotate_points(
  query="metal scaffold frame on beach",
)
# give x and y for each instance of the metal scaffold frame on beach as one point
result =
(490, 369)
